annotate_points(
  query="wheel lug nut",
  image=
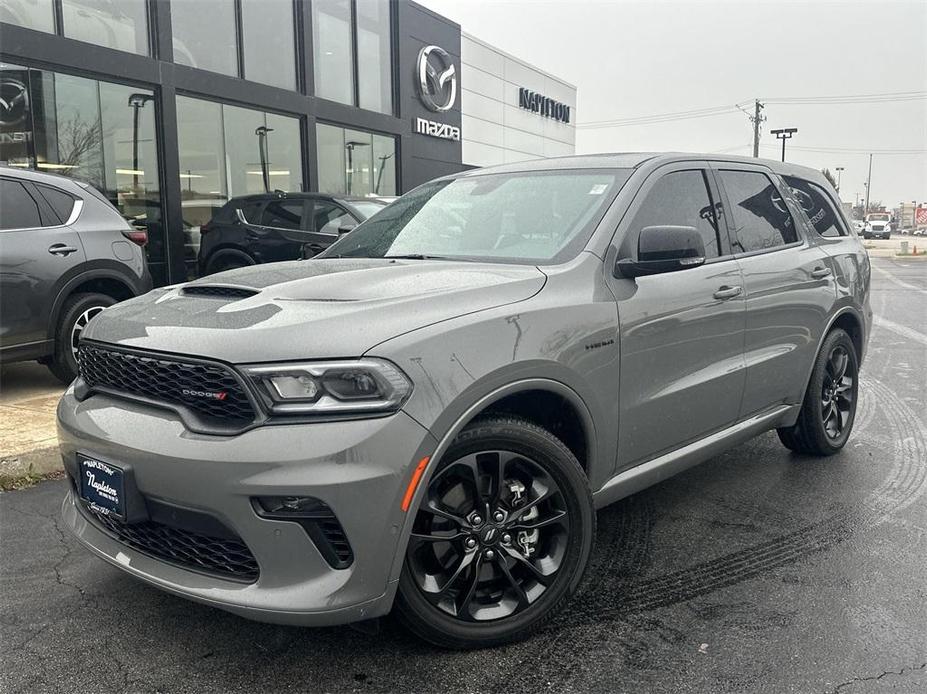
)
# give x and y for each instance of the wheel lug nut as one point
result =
(506, 539)
(498, 516)
(471, 543)
(476, 520)
(489, 554)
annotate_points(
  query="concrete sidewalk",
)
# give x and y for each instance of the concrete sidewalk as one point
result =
(28, 441)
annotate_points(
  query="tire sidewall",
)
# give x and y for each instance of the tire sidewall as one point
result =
(64, 365)
(560, 464)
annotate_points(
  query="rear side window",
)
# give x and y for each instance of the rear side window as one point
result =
(251, 211)
(18, 210)
(283, 214)
(681, 198)
(60, 202)
(329, 217)
(761, 219)
(818, 207)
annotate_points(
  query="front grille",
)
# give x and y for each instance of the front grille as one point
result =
(219, 292)
(226, 558)
(210, 391)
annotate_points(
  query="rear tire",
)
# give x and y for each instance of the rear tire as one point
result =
(494, 581)
(829, 408)
(75, 314)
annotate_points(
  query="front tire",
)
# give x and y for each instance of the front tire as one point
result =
(829, 408)
(75, 314)
(501, 539)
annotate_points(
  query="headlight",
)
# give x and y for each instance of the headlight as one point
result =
(334, 387)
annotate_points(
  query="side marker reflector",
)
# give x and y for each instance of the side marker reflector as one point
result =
(413, 483)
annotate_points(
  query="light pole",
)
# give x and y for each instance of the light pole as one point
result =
(136, 101)
(383, 159)
(784, 134)
(839, 171)
(261, 132)
(349, 146)
(868, 183)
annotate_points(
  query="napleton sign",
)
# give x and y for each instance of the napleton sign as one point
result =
(545, 106)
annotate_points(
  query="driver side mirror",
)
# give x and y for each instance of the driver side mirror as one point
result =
(663, 249)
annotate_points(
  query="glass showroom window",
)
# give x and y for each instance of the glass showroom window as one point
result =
(119, 24)
(269, 42)
(355, 162)
(228, 151)
(33, 14)
(352, 62)
(205, 35)
(97, 132)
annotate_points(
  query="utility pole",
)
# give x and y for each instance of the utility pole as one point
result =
(784, 134)
(868, 183)
(839, 171)
(757, 119)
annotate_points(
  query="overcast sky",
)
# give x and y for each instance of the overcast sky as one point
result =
(630, 59)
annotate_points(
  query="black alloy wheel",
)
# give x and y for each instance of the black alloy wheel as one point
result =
(500, 539)
(838, 393)
(829, 408)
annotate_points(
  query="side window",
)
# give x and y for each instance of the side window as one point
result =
(58, 200)
(18, 210)
(251, 211)
(329, 217)
(283, 214)
(682, 198)
(817, 205)
(760, 215)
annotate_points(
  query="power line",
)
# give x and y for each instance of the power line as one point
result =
(853, 150)
(885, 97)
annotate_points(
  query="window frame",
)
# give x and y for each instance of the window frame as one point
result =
(304, 205)
(627, 246)
(719, 166)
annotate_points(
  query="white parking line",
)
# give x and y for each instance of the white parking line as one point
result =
(900, 329)
(894, 280)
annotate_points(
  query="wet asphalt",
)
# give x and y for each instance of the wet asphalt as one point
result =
(758, 571)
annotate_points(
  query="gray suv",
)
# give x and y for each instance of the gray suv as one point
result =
(65, 255)
(426, 416)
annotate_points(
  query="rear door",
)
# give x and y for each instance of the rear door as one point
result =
(327, 218)
(36, 251)
(788, 282)
(283, 229)
(681, 333)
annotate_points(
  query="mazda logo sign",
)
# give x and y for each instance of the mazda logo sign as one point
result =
(437, 79)
(14, 102)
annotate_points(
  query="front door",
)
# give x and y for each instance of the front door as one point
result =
(681, 333)
(788, 282)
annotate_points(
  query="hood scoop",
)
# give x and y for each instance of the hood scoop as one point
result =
(218, 291)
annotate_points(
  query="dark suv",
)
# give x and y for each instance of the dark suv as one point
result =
(66, 255)
(269, 227)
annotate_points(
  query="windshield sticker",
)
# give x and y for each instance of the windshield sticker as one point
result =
(598, 189)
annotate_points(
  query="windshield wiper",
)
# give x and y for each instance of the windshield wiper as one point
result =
(417, 256)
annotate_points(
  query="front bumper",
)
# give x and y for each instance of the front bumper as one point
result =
(359, 468)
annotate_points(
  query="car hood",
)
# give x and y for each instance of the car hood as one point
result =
(325, 308)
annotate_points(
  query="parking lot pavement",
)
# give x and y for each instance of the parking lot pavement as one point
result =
(889, 248)
(758, 571)
(28, 397)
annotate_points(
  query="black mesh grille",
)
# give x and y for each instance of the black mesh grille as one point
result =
(334, 535)
(209, 390)
(219, 292)
(223, 557)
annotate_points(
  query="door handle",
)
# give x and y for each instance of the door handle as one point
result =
(725, 292)
(61, 249)
(820, 272)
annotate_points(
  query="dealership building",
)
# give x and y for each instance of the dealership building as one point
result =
(172, 107)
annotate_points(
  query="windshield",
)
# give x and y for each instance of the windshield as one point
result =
(878, 218)
(532, 217)
(368, 208)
